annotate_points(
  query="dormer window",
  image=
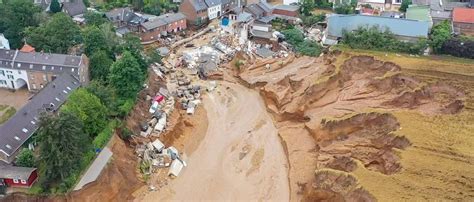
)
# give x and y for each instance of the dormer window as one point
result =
(32, 122)
(24, 130)
(8, 146)
(57, 99)
(17, 138)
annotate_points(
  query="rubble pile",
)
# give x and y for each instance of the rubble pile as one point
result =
(155, 156)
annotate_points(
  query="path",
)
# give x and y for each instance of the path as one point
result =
(95, 169)
(240, 158)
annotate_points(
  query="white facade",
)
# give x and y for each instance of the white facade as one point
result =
(4, 44)
(214, 11)
(263, 28)
(13, 78)
(288, 2)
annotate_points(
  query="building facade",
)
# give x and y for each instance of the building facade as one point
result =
(161, 26)
(195, 11)
(214, 9)
(463, 21)
(13, 176)
(34, 70)
(4, 43)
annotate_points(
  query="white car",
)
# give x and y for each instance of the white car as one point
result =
(154, 107)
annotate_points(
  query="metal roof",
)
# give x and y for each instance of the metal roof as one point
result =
(400, 27)
(25, 122)
(421, 13)
(14, 172)
(465, 15)
(255, 10)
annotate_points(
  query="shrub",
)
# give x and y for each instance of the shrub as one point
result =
(306, 47)
(459, 47)
(373, 38)
(25, 158)
(126, 107)
(313, 19)
(125, 133)
(104, 136)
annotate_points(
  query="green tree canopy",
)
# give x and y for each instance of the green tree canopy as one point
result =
(105, 93)
(404, 5)
(15, 16)
(25, 158)
(126, 76)
(88, 108)
(94, 19)
(100, 63)
(55, 7)
(439, 35)
(131, 43)
(94, 40)
(58, 35)
(63, 142)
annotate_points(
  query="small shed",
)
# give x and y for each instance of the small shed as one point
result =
(14, 176)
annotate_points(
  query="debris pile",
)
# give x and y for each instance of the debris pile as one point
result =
(155, 156)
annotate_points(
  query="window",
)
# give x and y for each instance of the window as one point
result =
(52, 68)
(2, 72)
(10, 77)
(44, 77)
(72, 70)
(15, 180)
(34, 86)
(44, 67)
(3, 82)
(19, 72)
(31, 66)
(17, 138)
(18, 65)
(23, 181)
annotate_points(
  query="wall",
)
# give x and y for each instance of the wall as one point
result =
(26, 183)
(192, 16)
(464, 28)
(8, 75)
(177, 26)
(214, 12)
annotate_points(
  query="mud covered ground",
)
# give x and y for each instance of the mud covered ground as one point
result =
(356, 127)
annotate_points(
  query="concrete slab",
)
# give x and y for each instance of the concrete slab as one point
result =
(95, 169)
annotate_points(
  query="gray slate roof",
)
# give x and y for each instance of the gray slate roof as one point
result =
(75, 7)
(211, 3)
(163, 20)
(14, 172)
(56, 63)
(400, 27)
(25, 122)
(265, 6)
(255, 10)
(198, 5)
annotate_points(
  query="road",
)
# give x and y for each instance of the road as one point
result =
(240, 158)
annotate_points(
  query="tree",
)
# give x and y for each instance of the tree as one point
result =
(439, 35)
(55, 7)
(126, 76)
(311, 20)
(15, 16)
(306, 47)
(344, 9)
(94, 40)
(25, 158)
(88, 108)
(404, 5)
(62, 143)
(131, 43)
(111, 38)
(57, 35)
(307, 7)
(106, 95)
(100, 63)
(94, 19)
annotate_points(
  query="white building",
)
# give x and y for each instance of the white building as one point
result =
(12, 79)
(214, 9)
(288, 2)
(4, 44)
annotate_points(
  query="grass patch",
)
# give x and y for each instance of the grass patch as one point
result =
(7, 114)
(441, 63)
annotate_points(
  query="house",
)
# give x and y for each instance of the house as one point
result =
(421, 13)
(27, 49)
(442, 9)
(161, 26)
(35, 69)
(125, 20)
(213, 8)
(74, 8)
(13, 176)
(4, 44)
(228, 5)
(403, 29)
(19, 128)
(195, 11)
(261, 30)
(463, 21)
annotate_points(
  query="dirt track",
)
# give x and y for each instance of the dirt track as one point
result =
(240, 158)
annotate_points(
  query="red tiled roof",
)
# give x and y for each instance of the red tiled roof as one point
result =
(465, 15)
(27, 48)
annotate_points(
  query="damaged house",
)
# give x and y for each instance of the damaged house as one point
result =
(162, 25)
(195, 11)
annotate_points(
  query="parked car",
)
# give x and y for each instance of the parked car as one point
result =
(154, 107)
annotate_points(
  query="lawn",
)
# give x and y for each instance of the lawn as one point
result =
(6, 112)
